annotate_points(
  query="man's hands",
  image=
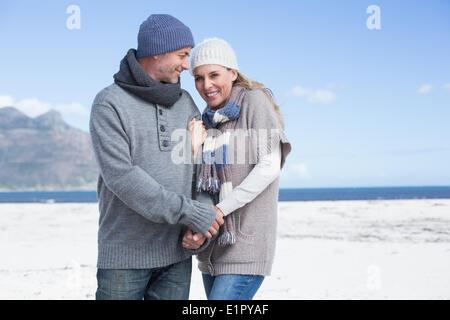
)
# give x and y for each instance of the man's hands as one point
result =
(194, 240)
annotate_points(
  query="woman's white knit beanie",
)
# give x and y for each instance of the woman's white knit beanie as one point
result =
(214, 51)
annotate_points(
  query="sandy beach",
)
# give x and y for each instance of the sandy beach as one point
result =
(382, 249)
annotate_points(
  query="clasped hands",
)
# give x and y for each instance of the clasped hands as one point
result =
(193, 240)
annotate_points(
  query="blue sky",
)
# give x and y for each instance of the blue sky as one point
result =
(362, 107)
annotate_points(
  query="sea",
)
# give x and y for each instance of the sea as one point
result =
(301, 194)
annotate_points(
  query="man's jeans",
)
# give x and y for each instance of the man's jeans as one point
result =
(167, 283)
(231, 286)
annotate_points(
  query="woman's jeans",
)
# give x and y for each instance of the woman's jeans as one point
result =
(167, 283)
(231, 286)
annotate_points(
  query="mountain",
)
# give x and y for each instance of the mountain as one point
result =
(44, 153)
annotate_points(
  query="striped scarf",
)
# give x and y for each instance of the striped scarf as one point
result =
(215, 173)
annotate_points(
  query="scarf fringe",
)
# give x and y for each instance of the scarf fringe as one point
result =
(226, 239)
(210, 185)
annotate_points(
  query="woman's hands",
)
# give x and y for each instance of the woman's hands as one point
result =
(198, 134)
(193, 240)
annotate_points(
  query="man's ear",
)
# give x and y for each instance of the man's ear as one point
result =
(160, 56)
(148, 59)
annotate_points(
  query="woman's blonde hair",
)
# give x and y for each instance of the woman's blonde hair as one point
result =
(246, 83)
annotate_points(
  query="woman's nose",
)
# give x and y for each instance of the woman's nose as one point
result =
(207, 84)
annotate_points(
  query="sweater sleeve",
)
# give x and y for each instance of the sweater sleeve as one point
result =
(202, 197)
(134, 186)
(263, 174)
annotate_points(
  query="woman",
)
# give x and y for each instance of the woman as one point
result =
(242, 176)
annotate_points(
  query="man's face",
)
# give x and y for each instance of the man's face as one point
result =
(170, 65)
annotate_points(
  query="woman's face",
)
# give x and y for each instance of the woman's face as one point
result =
(214, 83)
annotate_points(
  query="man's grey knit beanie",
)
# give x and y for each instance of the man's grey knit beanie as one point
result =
(162, 33)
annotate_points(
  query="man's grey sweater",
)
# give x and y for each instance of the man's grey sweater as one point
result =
(144, 197)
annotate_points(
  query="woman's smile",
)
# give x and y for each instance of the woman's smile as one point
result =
(214, 83)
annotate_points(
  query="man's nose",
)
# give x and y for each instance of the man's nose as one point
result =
(185, 64)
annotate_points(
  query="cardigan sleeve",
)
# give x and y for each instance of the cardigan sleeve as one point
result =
(268, 136)
(263, 174)
(270, 146)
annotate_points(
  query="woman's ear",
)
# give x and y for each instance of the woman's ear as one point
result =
(235, 75)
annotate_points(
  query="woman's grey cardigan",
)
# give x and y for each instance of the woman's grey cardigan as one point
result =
(256, 222)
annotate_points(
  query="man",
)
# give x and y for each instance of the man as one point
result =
(144, 197)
